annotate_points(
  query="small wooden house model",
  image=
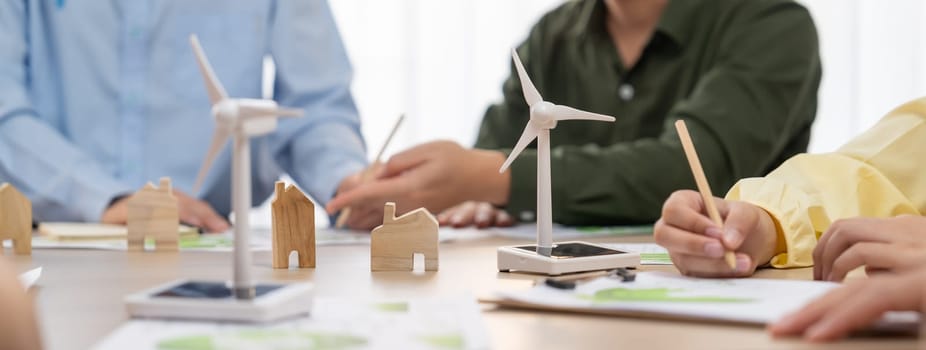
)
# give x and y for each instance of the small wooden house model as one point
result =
(293, 226)
(398, 239)
(15, 219)
(153, 213)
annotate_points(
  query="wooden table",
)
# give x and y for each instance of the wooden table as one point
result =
(79, 297)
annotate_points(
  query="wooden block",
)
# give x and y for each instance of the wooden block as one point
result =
(395, 242)
(153, 213)
(293, 226)
(15, 219)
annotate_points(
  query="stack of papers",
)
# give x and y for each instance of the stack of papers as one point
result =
(335, 323)
(663, 295)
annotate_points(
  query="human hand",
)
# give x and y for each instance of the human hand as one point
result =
(192, 212)
(363, 218)
(697, 246)
(480, 214)
(894, 244)
(434, 175)
(854, 306)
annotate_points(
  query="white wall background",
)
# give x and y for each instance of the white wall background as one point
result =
(443, 61)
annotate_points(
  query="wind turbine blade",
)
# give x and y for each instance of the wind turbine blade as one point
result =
(218, 141)
(530, 133)
(568, 113)
(531, 95)
(213, 85)
(251, 112)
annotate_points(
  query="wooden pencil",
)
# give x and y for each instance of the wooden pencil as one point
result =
(695, 163)
(365, 175)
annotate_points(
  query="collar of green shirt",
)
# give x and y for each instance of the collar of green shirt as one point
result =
(675, 22)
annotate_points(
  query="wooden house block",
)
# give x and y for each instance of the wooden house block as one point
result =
(15, 219)
(293, 226)
(398, 239)
(153, 213)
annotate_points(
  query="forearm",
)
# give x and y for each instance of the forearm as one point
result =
(63, 182)
(323, 155)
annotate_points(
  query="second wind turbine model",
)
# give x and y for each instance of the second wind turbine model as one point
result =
(546, 257)
(243, 300)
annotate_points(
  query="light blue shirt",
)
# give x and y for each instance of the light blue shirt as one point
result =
(99, 97)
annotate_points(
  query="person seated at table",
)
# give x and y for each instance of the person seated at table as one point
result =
(861, 205)
(98, 98)
(743, 74)
(857, 305)
(18, 328)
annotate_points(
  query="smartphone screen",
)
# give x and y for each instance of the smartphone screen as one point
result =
(209, 290)
(574, 250)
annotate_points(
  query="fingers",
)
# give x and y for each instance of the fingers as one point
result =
(739, 220)
(406, 160)
(463, 214)
(796, 322)
(875, 255)
(376, 191)
(679, 241)
(699, 266)
(480, 214)
(117, 213)
(365, 218)
(854, 306)
(503, 219)
(485, 215)
(695, 242)
(858, 311)
(200, 214)
(684, 209)
(840, 236)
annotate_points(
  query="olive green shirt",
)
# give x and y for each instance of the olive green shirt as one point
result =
(743, 74)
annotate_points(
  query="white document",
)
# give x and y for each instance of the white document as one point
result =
(29, 278)
(261, 240)
(335, 323)
(650, 253)
(664, 295)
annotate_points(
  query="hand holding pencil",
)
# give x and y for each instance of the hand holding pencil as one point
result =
(729, 241)
(367, 173)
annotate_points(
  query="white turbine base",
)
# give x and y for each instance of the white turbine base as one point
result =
(525, 259)
(286, 301)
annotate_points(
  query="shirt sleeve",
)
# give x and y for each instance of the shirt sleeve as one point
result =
(63, 182)
(313, 73)
(873, 176)
(760, 94)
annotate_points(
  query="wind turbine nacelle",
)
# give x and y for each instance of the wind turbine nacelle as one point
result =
(543, 116)
(257, 116)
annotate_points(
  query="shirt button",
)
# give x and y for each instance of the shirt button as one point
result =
(626, 92)
(527, 216)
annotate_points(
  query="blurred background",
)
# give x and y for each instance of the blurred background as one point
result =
(443, 61)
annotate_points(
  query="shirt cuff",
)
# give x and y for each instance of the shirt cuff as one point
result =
(337, 175)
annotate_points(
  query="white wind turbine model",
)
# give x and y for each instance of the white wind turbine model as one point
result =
(239, 119)
(546, 257)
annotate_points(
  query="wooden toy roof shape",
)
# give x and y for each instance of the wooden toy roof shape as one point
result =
(15, 219)
(293, 226)
(398, 239)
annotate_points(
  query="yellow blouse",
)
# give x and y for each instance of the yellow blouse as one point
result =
(880, 173)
